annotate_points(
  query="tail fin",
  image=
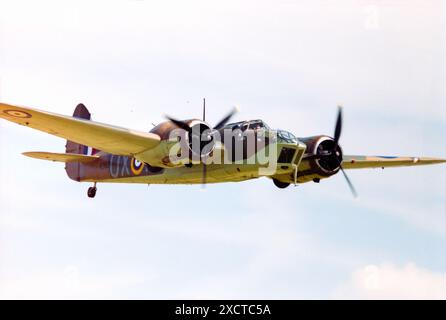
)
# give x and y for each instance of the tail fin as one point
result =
(73, 168)
(72, 147)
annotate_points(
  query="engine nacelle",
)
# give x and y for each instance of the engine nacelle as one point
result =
(320, 161)
(198, 141)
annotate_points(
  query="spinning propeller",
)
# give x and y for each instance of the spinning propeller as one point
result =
(196, 136)
(184, 125)
(334, 154)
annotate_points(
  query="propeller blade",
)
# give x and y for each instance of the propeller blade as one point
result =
(350, 184)
(204, 109)
(179, 124)
(225, 120)
(338, 128)
(204, 176)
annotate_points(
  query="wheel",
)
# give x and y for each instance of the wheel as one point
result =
(280, 184)
(91, 192)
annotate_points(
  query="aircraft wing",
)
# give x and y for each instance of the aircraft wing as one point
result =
(362, 162)
(105, 137)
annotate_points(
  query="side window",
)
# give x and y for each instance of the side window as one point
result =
(255, 125)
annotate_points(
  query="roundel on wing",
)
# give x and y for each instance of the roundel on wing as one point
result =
(17, 113)
(136, 166)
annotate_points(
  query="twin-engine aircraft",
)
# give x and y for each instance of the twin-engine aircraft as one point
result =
(194, 152)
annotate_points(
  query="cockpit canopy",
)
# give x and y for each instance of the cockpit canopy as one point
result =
(250, 124)
(282, 135)
(286, 137)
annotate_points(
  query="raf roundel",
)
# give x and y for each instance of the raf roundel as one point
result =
(137, 166)
(17, 113)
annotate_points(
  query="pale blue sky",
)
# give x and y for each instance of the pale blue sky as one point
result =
(287, 62)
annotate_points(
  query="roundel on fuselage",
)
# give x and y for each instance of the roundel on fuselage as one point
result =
(136, 166)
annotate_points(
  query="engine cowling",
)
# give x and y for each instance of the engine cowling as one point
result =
(321, 160)
(195, 140)
(200, 139)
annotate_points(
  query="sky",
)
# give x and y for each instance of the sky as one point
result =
(287, 62)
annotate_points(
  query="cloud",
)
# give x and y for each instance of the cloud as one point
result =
(387, 281)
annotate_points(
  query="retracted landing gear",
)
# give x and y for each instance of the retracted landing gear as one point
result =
(92, 191)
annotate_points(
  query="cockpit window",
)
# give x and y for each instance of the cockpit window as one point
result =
(256, 125)
(252, 125)
(286, 136)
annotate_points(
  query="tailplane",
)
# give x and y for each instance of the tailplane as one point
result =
(60, 157)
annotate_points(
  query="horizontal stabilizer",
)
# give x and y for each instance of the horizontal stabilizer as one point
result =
(60, 157)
